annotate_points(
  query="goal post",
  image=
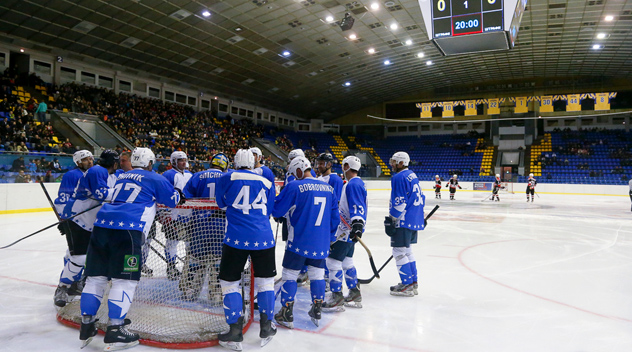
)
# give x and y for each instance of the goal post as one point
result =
(508, 187)
(185, 312)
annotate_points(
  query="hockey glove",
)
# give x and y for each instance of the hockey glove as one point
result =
(356, 230)
(182, 197)
(389, 225)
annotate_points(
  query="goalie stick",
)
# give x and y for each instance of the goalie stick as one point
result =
(367, 281)
(49, 226)
(376, 273)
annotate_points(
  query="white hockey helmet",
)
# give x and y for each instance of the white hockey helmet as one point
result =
(401, 157)
(530, 175)
(498, 176)
(437, 176)
(244, 159)
(80, 155)
(353, 162)
(256, 151)
(175, 156)
(455, 176)
(141, 157)
(297, 163)
(294, 154)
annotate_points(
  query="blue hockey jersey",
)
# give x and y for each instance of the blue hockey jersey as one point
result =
(265, 172)
(248, 200)
(177, 179)
(134, 201)
(93, 188)
(202, 184)
(407, 200)
(311, 208)
(66, 188)
(334, 181)
(289, 177)
(352, 206)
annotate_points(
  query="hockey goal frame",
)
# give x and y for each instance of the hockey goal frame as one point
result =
(71, 316)
(508, 187)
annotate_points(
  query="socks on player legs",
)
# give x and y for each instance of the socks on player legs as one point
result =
(351, 275)
(232, 301)
(93, 294)
(73, 269)
(120, 299)
(265, 296)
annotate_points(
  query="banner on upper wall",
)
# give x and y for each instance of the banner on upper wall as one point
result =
(546, 103)
(470, 107)
(521, 104)
(602, 100)
(448, 109)
(425, 110)
(493, 105)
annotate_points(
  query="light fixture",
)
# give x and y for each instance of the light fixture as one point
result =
(420, 55)
(353, 37)
(286, 53)
(206, 13)
(215, 98)
(601, 35)
(428, 62)
(347, 84)
(329, 19)
(609, 18)
(238, 29)
(371, 51)
(346, 23)
(408, 42)
(394, 26)
(596, 47)
(21, 50)
(375, 6)
(387, 62)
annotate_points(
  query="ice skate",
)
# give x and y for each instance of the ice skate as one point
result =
(315, 311)
(172, 272)
(335, 303)
(302, 279)
(61, 296)
(117, 337)
(267, 330)
(232, 338)
(88, 329)
(402, 290)
(415, 288)
(285, 316)
(354, 298)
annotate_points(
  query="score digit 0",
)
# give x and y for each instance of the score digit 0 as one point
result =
(491, 2)
(441, 4)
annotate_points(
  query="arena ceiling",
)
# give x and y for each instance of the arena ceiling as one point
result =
(237, 51)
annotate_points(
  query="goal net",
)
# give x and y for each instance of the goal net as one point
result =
(185, 310)
(508, 187)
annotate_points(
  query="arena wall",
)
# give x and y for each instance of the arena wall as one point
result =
(25, 198)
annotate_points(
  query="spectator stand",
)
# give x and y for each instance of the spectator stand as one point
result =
(33, 165)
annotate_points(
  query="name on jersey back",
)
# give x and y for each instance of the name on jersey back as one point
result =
(315, 187)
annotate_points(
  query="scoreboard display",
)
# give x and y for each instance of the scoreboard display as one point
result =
(467, 26)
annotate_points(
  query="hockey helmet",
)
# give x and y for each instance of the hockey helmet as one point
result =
(498, 176)
(80, 155)
(220, 160)
(177, 155)
(401, 157)
(297, 163)
(108, 158)
(244, 159)
(327, 157)
(455, 176)
(256, 151)
(437, 177)
(294, 154)
(353, 162)
(141, 157)
(530, 175)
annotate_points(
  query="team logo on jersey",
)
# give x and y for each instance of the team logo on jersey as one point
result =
(131, 263)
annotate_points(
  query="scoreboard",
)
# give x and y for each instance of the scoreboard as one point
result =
(466, 26)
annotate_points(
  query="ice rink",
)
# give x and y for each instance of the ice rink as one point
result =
(552, 275)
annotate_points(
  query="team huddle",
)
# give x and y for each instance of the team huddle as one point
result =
(112, 217)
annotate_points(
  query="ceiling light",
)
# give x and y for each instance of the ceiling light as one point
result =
(596, 47)
(371, 51)
(387, 62)
(428, 62)
(353, 37)
(286, 53)
(394, 26)
(206, 13)
(420, 55)
(375, 6)
(347, 84)
(21, 50)
(329, 18)
(238, 29)
(601, 35)
(408, 42)
(609, 18)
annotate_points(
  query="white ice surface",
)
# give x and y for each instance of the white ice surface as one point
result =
(553, 275)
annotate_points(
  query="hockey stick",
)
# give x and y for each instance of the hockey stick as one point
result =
(367, 281)
(50, 201)
(368, 251)
(49, 226)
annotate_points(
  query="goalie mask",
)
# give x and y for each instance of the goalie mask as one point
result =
(220, 160)
(142, 157)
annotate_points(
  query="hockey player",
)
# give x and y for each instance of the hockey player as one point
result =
(531, 183)
(248, 199)
(84, 160)
(453, 183)
(120, 228)
(205, 248)
(311, 208)
(178, 176)
(353, 212)
(261, 169)
(325, 162)
(437, 187)
(125, 163)
(93, 188)
(406, 217)
(497, 186)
